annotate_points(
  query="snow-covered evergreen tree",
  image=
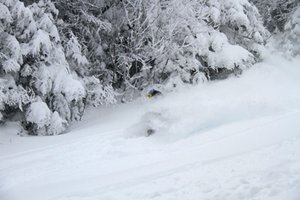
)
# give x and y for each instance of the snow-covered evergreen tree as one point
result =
(275, 13)
(34, 59)
(81, 32)
(133, 44)
(162, 40)
(62, 55)
(289, 40)
(43, 63)
(13, 96)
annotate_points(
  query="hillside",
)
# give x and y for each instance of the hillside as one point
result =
(225, 140)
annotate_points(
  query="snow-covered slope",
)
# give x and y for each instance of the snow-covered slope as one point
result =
(229, 140)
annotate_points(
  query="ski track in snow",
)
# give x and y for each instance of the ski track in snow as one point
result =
(254, 155)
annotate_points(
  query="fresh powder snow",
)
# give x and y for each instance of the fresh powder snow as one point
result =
(224, 140)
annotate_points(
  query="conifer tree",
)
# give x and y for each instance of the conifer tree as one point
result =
(37, 63)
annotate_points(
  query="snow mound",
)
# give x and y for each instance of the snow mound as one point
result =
(39, 114)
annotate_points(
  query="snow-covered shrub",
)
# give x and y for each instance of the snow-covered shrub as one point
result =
(5, 17)
(275, 13)
(287, 42)
(41, 121)
(291, 36)
(73, 50)
(187, 39)
(13, 98)
(2, 99)
(83, 31)
(98, 94)
(57, 125)
(39, 114)
(238, 19)
(11, 53)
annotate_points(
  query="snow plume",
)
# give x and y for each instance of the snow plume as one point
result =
(200, 108)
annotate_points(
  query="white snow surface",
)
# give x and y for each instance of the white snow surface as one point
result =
(237, 139)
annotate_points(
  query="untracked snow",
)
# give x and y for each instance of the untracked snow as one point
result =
(237, 139)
